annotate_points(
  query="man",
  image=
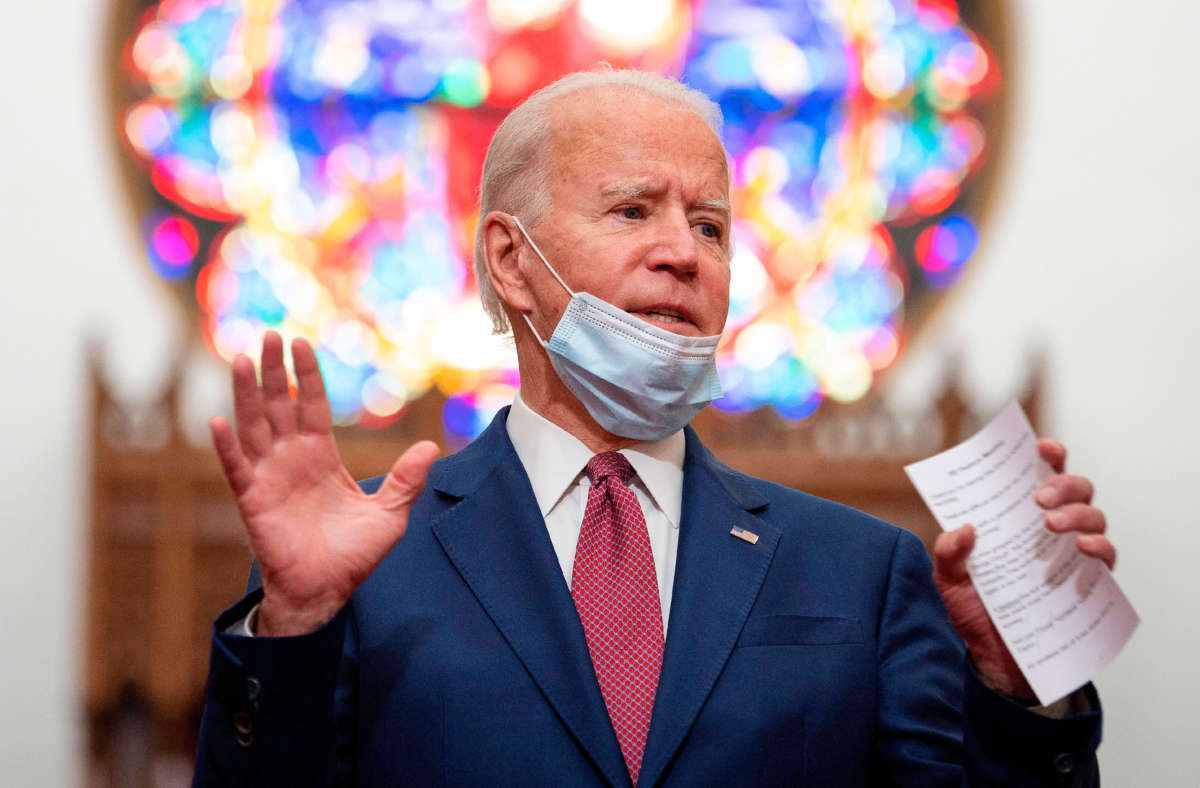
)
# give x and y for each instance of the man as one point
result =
(420, 630)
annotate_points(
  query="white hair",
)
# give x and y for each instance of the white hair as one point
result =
(516, 171)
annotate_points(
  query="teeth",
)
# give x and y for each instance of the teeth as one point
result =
(665, 317)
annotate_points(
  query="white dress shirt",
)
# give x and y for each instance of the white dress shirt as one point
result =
(554, 460)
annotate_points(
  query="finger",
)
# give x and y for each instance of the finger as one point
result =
(1064, 489)
(1054, 453)
(950, 551)
(407, 477)
(233, 462)
(1097, 546)
(253, 431)
(277, 402)
(1076, 517)
(311, 403)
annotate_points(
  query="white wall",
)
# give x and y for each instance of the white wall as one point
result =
(1090, 253)
(69, 267)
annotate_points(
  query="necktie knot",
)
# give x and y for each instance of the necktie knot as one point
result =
(610, 463)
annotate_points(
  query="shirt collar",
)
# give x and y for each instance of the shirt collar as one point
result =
(554, 459)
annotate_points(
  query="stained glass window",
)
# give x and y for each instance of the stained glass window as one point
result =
(316, 166)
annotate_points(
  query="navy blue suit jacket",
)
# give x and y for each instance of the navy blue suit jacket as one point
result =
(820, 656)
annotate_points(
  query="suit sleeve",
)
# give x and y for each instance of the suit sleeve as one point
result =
(938, 724)
(277, 711)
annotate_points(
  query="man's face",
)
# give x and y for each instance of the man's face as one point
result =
(639, 212)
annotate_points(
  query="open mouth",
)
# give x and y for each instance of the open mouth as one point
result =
(669, 317)
(664, 317)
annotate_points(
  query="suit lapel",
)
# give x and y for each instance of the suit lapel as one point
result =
(717, 578)
(497, 540)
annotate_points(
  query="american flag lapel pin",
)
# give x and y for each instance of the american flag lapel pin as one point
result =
(744, 535)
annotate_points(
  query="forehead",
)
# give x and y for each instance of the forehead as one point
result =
(612, 135)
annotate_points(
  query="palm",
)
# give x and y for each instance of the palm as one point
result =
(308, 524)
(315, 534)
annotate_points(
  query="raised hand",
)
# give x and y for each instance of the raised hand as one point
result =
(1067, 500)
(315, 534)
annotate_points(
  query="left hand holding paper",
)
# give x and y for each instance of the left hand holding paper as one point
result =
(1067, 500)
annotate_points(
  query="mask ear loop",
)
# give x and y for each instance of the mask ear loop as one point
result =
(534, 330)
(546, 263)
(541, 256)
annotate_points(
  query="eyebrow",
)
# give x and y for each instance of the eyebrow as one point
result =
(629, 190)
(635, 189)
(719, 205)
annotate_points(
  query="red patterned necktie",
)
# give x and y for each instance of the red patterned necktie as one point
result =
(616, 593)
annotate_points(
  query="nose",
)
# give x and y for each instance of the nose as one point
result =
(675, 247)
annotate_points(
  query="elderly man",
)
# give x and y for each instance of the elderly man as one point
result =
(585, 595)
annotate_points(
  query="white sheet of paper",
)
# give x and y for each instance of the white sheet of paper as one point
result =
(1062, 615)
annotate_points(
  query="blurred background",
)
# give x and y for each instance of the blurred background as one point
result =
(940, 206)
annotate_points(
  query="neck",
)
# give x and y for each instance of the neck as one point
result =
(546, 395)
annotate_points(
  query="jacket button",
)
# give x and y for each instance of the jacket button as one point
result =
(243, 729)
(1064, 763)
(253, 692)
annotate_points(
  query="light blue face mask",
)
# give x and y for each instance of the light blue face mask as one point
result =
(635, 379)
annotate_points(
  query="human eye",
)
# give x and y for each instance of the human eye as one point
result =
(631, 212)
(710, 230)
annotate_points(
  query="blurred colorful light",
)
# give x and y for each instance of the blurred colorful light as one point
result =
(337, 145)
(943, 248)
(172, 243)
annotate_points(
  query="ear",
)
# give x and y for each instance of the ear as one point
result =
(502, 241)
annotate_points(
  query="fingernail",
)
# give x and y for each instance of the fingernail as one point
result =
(1047, 496)
(1056, 520)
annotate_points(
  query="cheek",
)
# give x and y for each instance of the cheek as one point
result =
(717, 296)
(720, 284)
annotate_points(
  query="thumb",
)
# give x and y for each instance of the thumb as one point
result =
(950, 552)
(406, 480)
